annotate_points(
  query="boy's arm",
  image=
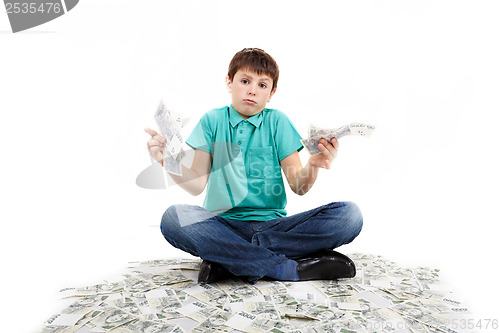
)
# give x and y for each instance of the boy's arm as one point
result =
(300, 178)
(193, 179)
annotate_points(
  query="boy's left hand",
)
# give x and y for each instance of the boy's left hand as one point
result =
(327, 155)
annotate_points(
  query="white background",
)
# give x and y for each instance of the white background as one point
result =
(76, 93)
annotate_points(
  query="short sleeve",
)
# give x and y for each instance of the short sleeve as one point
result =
(287, 138)
(202, 135)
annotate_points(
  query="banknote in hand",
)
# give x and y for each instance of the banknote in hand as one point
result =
(315, 134)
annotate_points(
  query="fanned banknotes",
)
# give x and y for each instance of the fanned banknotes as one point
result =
(315, 134)
(383, 297)
(170, 125)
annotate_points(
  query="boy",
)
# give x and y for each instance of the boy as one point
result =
(242, 229)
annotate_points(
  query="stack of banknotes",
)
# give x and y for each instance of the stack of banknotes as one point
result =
(315, 134)
(163, 296)
(170, 124)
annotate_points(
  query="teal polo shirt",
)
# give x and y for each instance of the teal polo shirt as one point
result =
(246, 181)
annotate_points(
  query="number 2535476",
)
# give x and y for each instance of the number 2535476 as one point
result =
(33, 7)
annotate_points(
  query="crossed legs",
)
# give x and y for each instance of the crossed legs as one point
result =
(252, 249)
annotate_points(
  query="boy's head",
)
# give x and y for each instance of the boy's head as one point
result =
(252, 79)
(254, 60)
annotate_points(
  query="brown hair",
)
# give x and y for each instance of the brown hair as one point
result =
(256, 60)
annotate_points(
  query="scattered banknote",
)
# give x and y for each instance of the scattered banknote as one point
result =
(162, 296)
(60, 329)
(164, 303)
(248, 322)
(98, 289)
(208, 294)
(169, 264)
(76, 311)
(170, 125)
(315, 134)
(197, 310)
(271, 287)
(239, 290)
(215, 323)
(332, 288)
(110, 317)
(141, 326)
(263, 310)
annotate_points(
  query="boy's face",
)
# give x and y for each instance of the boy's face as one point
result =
(249, 92)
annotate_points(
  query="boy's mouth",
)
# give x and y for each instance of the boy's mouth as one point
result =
(249, 101)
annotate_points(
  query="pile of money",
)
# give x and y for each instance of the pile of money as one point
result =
(316, 133)
(162, 296)
(169, 124)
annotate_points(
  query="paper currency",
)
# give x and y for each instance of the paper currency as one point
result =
(345, 325)
(424, 315)
(325, 313)
(155, 297)
(248, 322)
(76, 311)
(294, 308)
(142, 326)
(170, 264)
(110, 317)
(127, 305)
(214, 323)
(263, 310)
(197, 310)
(271, 287)
(60, 329)
(381, 320)
(315, 134)
(141, 281)
(208, 294)
(170, 125)
(333, 288)
(135, 284)
(239, 289)
(164, 303)
(98, 289)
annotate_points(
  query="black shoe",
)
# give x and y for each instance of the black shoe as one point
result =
(325, 265)
(212, 272)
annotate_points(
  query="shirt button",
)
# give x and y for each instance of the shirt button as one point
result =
(241, 131)
(239, 142)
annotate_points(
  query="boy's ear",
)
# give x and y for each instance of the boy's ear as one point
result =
(228, 84)
(271, 94)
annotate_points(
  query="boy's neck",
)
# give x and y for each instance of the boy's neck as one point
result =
(244, 116)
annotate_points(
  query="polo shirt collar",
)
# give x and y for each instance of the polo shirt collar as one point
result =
(235, 118)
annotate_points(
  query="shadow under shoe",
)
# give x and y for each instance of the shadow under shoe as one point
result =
(212, 272)
(325, 265)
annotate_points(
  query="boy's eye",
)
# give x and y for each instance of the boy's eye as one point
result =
(244, 81)
(263, 85)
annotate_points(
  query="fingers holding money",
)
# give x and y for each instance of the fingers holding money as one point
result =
(155, 145)
(328, 153)
(329, 147)
(316, 134)
(155, 136)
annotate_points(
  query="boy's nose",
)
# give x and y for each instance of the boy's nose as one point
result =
(251, 90)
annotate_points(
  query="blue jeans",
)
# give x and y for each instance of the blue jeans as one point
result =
(252, 249)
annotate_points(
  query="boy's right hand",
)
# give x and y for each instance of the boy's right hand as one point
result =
(156, 145)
